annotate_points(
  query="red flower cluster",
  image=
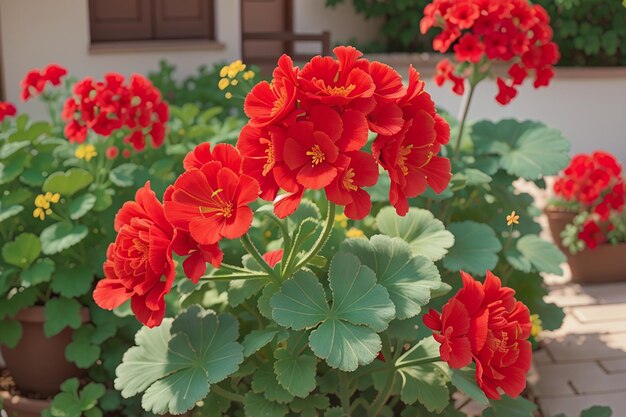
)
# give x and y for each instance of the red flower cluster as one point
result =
(207, 203)
(35, 80)
(7, 110)
(594, 232)
(515, 32)
(139, 264)
(595, 182)
(484, 322)
(111, 105)
(308, 129)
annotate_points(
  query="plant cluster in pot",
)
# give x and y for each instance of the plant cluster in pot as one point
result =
(587, 219)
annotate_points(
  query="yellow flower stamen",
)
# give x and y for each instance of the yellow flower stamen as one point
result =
(537, 326)
(317, 155)
(512, 219)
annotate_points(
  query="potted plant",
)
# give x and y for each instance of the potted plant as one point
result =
(586, 217)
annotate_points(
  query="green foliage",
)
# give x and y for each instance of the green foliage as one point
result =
(595, 411)
(71, 403)
(511, 407)
(182, 357)
(475, 249)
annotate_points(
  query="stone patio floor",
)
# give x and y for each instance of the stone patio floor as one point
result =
(584, 362)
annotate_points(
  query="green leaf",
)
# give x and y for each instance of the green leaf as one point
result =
(426, 235)
(61, 313)
(10, 333)
(81, 205)
(597, 411)
(347, 335)
(295, 372)
(528, 149)
(39, 272)
(22, 251)
(475, 248)
(408, 279)
(511, 407)
(81, 351)
(426, 383)
(13, 167)
(8, 212)
(256, 339)
(543, 255)
(181, 357)
(465, 380)
(264, 382)
(257, 405)
(60, 236)
(242, 289)
(72, 281)
(17, 301)
(309, 406)
(103, 199)
(69, 182)
(128, 174)
(530, 290)
(68, 403)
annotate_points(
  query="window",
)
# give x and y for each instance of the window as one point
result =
(136, 20)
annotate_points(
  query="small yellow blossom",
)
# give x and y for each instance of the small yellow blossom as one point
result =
(234, 82)
(354, 233)
(224, 71)
(248, 75)
(235, 68)
(341, 220)
(223, 83)
(85, 152)
(512, 219)
(42, 204)
(228, 96)
(536, 325)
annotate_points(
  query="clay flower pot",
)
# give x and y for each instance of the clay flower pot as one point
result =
(602, 264)
(17, 406)
(37, 364)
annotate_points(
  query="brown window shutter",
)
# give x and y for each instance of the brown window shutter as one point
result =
(184, 19)
(116, 20)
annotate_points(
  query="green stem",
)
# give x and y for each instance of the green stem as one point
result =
(254, 252)
(320, 242)
(417, 362)
(383, 395)
(216, 389)
(344, 394)
(234, 276)
(464, 111)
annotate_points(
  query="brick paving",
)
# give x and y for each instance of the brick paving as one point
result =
(584, 362)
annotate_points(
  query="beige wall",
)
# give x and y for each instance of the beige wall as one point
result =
(37, 32)
(311, 16)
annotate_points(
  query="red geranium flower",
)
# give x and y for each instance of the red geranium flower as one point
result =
(469, 48)
(35, 80)
(257, 148)
(484, 322)
(139, 264)
(7, 110)
(211, 203)
(506, 93)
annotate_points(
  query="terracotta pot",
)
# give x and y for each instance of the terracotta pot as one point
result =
(16, 406)
(598, 265)
(557, 220)
(37, 364)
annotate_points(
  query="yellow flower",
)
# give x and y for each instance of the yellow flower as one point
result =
(42, 204)
(354, 233)
(85, 152)
(341, 220)
(223, 83)
(234, 82)
(224, 71)
(234, 68)
(512, 219)
(537, 325)
(228, 96)
(248, 75)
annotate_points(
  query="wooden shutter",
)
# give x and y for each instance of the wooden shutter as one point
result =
(116, 20)
(184, 19)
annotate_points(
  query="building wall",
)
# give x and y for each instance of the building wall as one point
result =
(311, 16)
(37, 32)
(590, 112)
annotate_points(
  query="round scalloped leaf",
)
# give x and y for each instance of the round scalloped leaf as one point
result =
(202, 351)
(69, 182)
(22, 251)
(475, 248)
(60, 236)
(408, 279)
(257, 405)
(543, 255)
(81, 205)
(426, 234)
(528, 149)
(295, 372)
